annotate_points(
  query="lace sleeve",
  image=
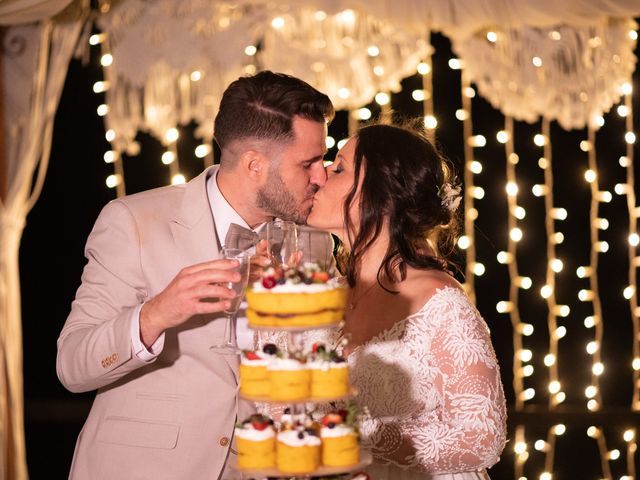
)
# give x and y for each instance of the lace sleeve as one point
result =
(456, 371)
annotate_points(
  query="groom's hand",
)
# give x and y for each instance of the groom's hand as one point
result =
(259, 261)
(194, 290)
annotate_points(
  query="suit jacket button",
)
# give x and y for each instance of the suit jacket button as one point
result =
(224, 441)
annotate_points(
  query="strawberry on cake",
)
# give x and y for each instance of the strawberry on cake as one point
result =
(255, 439)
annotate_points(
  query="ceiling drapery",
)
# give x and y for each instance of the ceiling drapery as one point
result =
(172, 60)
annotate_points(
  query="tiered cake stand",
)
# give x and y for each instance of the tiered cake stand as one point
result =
(294, 339)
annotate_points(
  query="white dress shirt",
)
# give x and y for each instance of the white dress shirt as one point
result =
(223, 216)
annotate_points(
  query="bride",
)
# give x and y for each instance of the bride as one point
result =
(420, 353)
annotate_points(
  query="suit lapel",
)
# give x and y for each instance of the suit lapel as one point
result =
(193, 227)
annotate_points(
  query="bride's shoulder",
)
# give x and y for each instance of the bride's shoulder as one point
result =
(428, 282)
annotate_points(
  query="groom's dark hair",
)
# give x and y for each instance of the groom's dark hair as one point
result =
(262, 107)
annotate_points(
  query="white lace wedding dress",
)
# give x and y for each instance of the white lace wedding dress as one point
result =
(432, 388)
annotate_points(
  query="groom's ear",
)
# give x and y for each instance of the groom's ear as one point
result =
(254, 164)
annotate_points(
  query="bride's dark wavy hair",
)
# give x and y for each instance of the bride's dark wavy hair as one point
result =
(404, 175)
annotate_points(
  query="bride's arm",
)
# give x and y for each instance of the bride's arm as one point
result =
(469, 430)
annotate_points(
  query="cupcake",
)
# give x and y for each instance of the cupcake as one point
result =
(255, 440)
(329, 373)
(254, 377)
(289, 378)
(339, 435)
(298, 451)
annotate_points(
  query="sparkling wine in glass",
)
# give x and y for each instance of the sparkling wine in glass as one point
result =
(229, 344)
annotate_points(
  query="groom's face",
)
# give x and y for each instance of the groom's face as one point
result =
(297, 173)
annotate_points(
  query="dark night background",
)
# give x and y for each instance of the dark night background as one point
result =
(74, 192)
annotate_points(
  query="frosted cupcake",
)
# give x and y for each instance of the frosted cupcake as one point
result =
(298, 451)
(329, 373)
(340, 446)
(254, 377)
(255, 440)
(289, 378)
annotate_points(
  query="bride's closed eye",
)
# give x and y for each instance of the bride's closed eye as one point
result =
(336, 167)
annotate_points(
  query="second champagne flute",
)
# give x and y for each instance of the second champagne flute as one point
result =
(230, 344)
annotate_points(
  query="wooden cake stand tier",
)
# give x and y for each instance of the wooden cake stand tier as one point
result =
(365, 460)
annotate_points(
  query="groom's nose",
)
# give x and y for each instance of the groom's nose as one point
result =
(318, 174)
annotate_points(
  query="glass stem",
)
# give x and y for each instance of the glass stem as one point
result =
(231, 329)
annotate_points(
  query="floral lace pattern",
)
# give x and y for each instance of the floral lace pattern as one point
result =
(431, 384)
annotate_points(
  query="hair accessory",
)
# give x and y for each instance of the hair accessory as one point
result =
(450, 196)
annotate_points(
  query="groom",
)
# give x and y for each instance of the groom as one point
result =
(143, 319)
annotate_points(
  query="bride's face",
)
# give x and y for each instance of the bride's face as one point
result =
(328, 204)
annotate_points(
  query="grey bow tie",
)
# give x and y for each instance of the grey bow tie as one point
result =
(240, 237)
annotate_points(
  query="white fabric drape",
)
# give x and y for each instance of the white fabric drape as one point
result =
(35, 64)
(13, 12)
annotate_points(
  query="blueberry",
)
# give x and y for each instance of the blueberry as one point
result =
(300, 435)
(331, 425)
(270, 349)
(287, 411)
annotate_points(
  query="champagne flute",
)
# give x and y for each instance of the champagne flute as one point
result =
(315, 246)
(281, 241)
(230, 345)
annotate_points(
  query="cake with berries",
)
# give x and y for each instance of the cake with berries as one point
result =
(304, 296)
(254, 377)
(289, 377)
(298, 450)
(339, 436)
(329, 373)
(256, 443)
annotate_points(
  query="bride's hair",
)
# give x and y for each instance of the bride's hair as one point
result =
(405, 183)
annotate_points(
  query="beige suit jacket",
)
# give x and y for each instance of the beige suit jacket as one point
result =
(172, 418)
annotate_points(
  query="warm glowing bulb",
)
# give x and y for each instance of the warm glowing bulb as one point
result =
(592, 347)
(527, 329)
(562, 310)
(478, 193)
(549, 359)
(493, 36)
(539, 190)
(515, 234)
(502, 136)
(469, 92)
(556, 265)
(590, 176)
(593, 432)
(635, 364)
(110, 135)
(382, 98)
(593, 405)
(475, 166)
(250, 50)
(103, 110)
(554, 387)
(527, 370)
(455, 63)
(529, 393)
(461, 114)
(423, 68)
(464, 242)
(330, 142)
(512, 189)
(614, 454)
(503, 306)
(524, 282)
(630, 137)
(546, 291)
(520, 447)
(598, 368)
(344, 92)
(472, 213)
(196, 75)
(602, 246)
(623, 162)
(591, 391)
(589, 322)
(585, 145)
(418, 95)
(504, 257)
(557, 238)
(601, 223)
(100, 87)
(559, 429)
(477, 141)
(585, 295)
(168, 158)
(106, 60)
(519, 212)
(97, 38)
(373, 51)
(622, 110)
(541, 445)
(177, 179)
(363, 114)
(559, 213)
(526, 355)
(628, 292)
(539, 140)
(277, 22)
(478, 269)
(430, 122)
(342, 143)
(629, 435)
(202, 151)
(626, 88)
(112, 180)
(583, 272)
(110, 156)
(171, 135)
